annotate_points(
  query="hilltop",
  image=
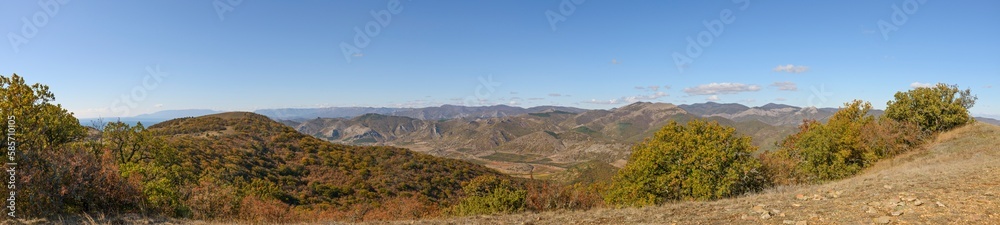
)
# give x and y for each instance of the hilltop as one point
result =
(232, 153)
(951, 180)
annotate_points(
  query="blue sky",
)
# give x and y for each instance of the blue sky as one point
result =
(123, 58)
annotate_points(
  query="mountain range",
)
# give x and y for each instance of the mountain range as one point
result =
(535, 141)
(428, 113)
(547, 141)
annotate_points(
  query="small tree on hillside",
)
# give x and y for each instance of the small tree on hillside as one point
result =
(935, 109)
(700, 161)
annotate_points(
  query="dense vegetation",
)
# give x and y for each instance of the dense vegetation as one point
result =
(699, 161)
(853, 139)
(246, 167)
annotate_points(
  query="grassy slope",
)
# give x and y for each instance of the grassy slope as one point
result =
(960, 169)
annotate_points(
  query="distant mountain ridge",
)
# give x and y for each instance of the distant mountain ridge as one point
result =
(172, 114)
(539, 143)
(427, 113)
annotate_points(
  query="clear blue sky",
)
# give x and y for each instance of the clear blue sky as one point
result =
(275, 54)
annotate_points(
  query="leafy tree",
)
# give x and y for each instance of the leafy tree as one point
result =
(935, 109)
(700, 161)
(55, 174)
(129, 143)
(40, 125)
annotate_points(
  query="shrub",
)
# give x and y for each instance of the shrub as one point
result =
(851, 141)
(700, 161)
(489, 194)
(934, 109)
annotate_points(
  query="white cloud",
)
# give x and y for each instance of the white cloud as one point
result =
(721, 88)
(639, 98)
(654, 88)
(608, 102)
(785, 86)
(920, 85)
(712, 98)
(791, 68)
(630, 99)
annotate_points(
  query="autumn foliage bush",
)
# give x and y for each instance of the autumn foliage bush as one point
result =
(698, 161)
(850, 141)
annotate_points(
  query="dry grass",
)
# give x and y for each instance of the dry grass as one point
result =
(960, 169)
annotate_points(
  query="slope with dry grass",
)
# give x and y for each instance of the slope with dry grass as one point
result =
(954, 179)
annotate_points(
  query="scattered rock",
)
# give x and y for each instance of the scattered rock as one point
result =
(940, 204)
(803, 222)
(765, 216)
(883, 220)
(758, 209)
(897, 213)
(818, 198)
(788, 222)
(801, 197)
(887, 187)
(918, 203)
(797, 205)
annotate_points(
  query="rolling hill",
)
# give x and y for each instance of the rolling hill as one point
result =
(241, 151)
(538, 143)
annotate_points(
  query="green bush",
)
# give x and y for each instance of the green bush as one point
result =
(851, 141)
(700, 161)
(489, 195)
(935, 109)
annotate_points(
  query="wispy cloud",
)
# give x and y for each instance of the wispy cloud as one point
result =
(607, 102)
(535, 99)
(785, 86)
(720, 88)
(781, 99)
(712, 98)
(630, 99)
(640, 88)
(158, 106)
(791, 68)
(920, 85)
(555, 95)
